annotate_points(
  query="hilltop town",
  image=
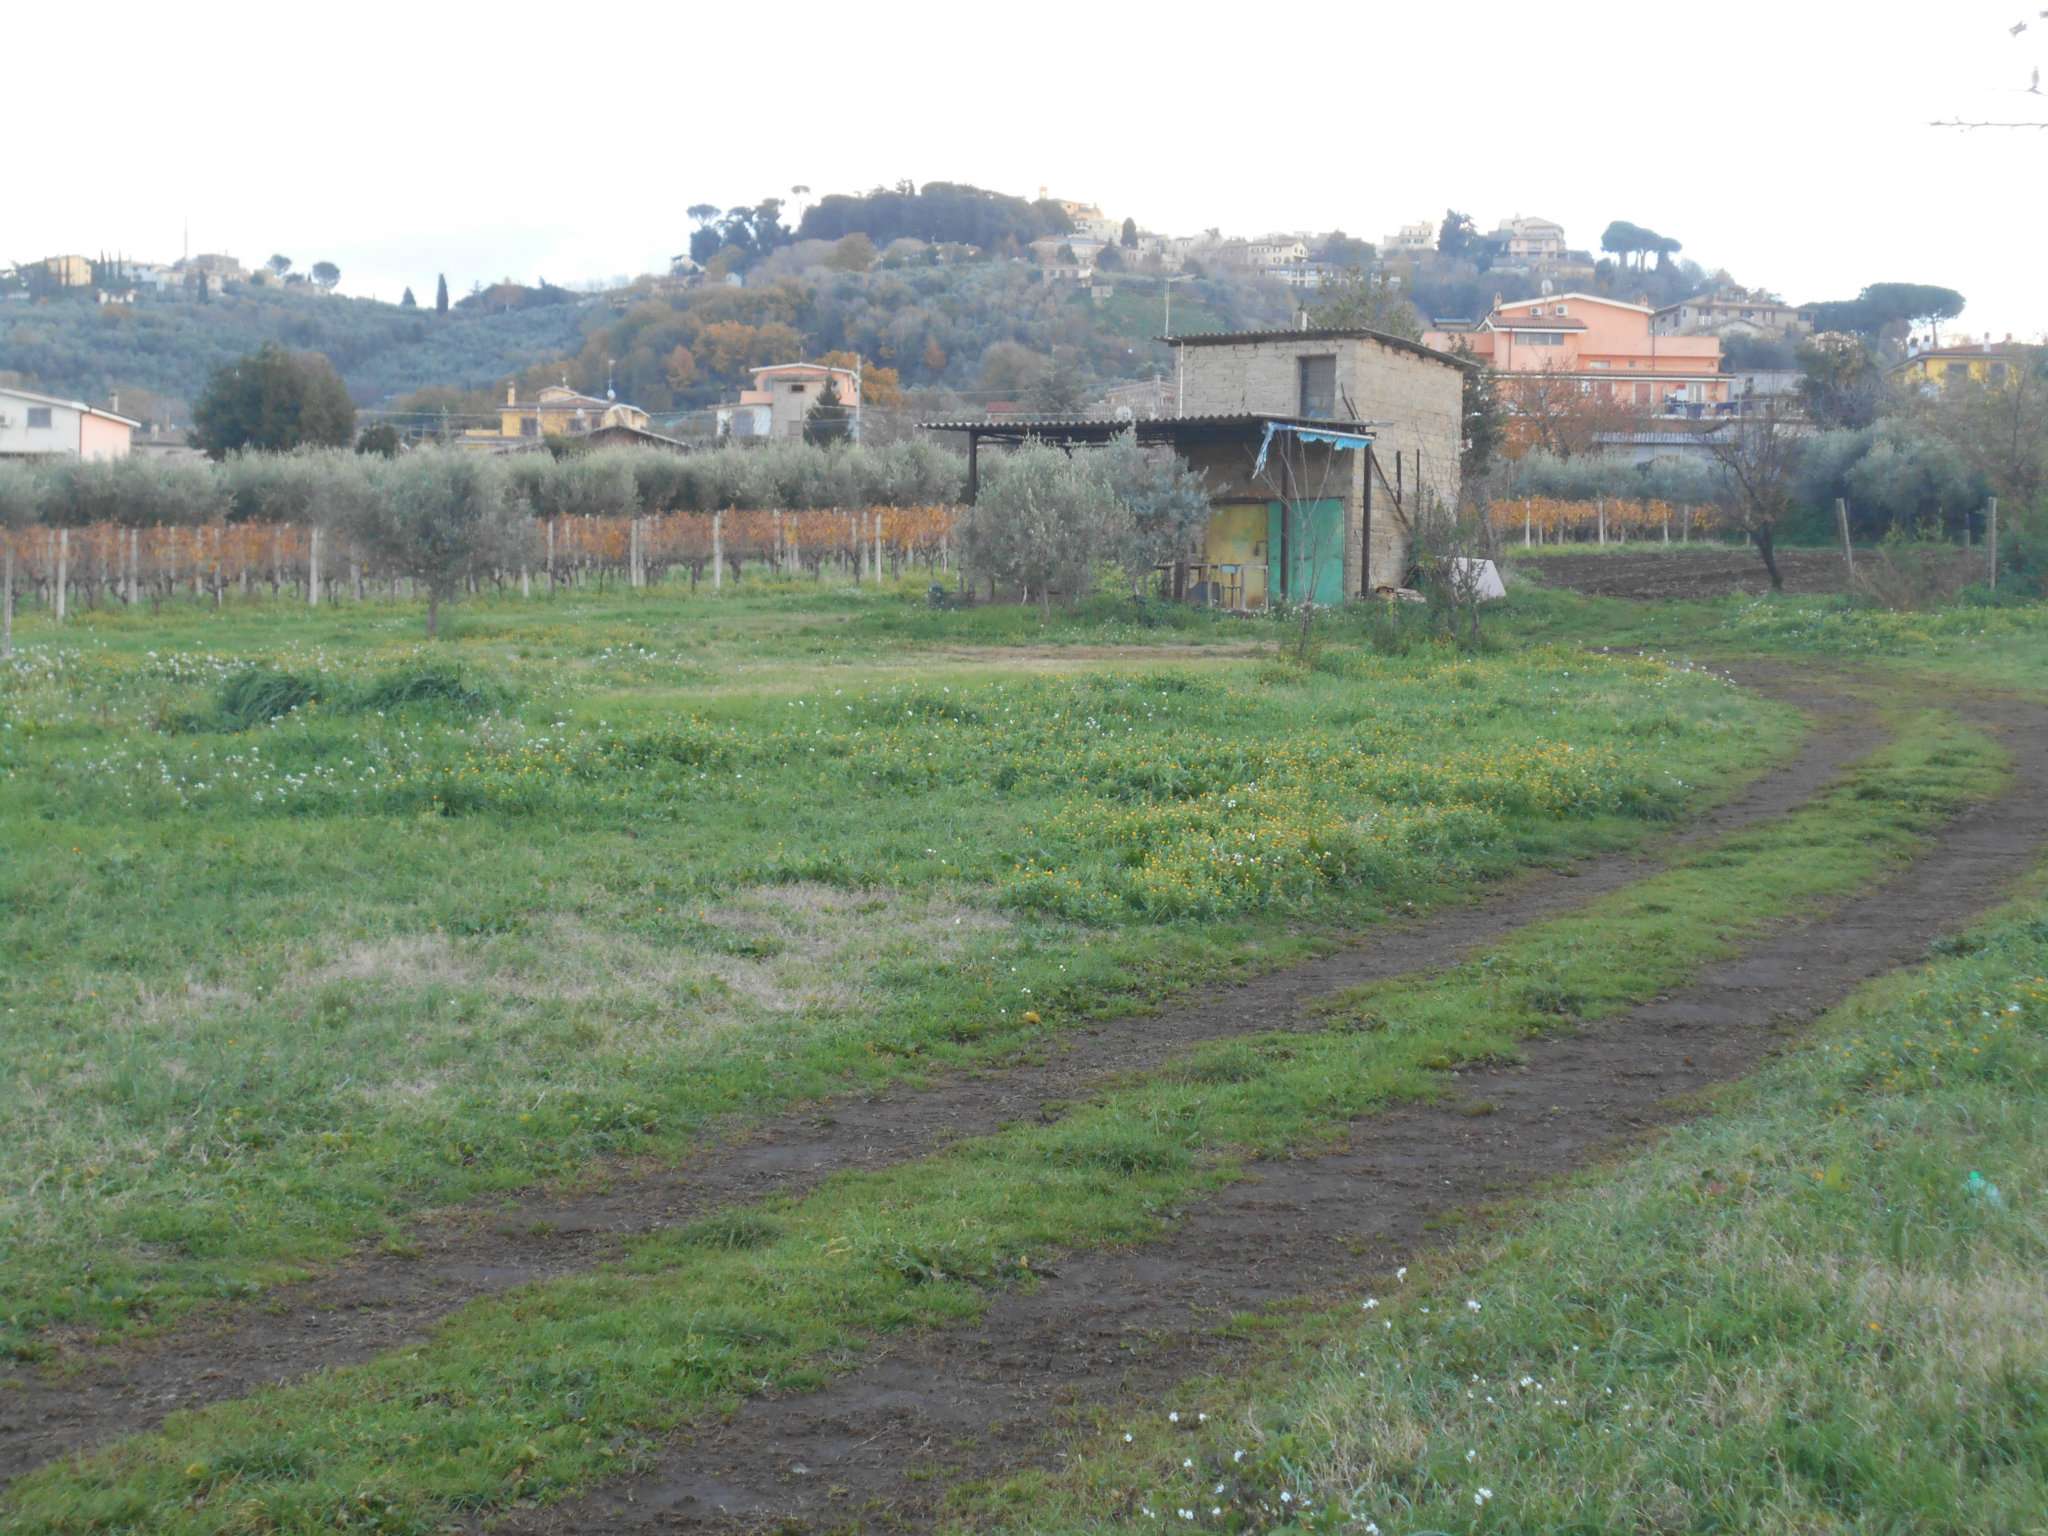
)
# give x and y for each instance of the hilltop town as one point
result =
(937, 300)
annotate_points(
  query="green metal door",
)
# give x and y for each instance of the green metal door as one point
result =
(1307, 549)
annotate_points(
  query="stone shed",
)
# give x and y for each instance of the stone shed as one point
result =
(1318, 448)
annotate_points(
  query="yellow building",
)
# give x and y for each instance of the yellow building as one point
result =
(69, 271)
(1982, 362)
(558, 411)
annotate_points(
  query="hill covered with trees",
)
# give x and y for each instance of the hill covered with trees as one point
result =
(165, 349)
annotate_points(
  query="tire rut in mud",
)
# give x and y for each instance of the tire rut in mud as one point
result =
(379, 1302)
(876, 1449)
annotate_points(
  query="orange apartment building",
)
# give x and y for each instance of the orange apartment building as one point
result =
(1607, 346)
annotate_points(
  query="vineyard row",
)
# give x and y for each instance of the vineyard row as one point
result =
(63, 568)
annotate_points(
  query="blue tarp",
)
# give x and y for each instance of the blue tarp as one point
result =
(1338, 440)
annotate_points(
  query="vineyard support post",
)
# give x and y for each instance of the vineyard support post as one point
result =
(1842, 527)
(551, 557)
(6, 596)
(717, 550)
(134, 566)
(63, 568)
(878, 546)
(1526, 522)
(1685, 523)
(1600, 511)
(1991, 537)
(313, 567)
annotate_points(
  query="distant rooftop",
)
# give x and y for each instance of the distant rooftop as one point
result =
(1326, 333)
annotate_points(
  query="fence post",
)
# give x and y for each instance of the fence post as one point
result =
(1991, 537)
(6, 595)
(63, 568)
(878, 546)
(1842, 526)
(313, 568)
(1600, 510)
(717, 550)
(1527, 523)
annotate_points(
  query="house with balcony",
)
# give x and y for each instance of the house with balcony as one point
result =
(556, 411)
(1606, 347)
(793, 388)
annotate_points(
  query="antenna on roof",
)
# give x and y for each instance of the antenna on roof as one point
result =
(611, 368)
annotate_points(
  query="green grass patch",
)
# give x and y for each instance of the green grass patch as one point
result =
(605, 872)
(532, 1395)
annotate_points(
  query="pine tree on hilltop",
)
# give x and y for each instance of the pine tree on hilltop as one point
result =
(441, 296)
(408, 302)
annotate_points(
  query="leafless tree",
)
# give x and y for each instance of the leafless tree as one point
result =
(1758, 455)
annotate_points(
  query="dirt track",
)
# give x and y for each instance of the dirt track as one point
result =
(1116, 1323)
(379, 1302)
(877, 1448)
(1691, 573)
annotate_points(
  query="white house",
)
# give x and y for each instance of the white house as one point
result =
(44, 427)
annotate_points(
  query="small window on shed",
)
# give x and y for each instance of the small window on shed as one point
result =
(38, 416)
(1319, 386)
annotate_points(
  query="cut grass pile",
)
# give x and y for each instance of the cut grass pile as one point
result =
(271, 991)
(531, 1395)
(1819, 1310)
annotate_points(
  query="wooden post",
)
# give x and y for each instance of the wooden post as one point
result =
(551, 557)
(134, 565)
(1526, 524)
(717, 550)
(1600, 510)
(878, 546)
(6, 595)
(1842, 526)
(313, 568)
(1991, 537)
(781, 550)
(63, 568)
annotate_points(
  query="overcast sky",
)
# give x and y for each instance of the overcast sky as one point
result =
(1787, 141)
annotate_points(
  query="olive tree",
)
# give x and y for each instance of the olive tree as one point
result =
(439, 516)
(1165, 506)
(21, 500)
(1042, 522)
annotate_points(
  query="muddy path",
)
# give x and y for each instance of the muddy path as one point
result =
(876, 1449)
(1651, 572)
(378, 1302)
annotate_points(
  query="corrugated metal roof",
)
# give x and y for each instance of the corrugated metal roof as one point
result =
(1109, 426)
(1328, 333)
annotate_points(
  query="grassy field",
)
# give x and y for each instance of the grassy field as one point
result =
(604, 871)
(313, 932)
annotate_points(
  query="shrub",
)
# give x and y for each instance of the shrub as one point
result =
(257, 695)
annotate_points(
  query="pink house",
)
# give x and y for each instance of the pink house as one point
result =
(44, 427)
(1607, 345)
